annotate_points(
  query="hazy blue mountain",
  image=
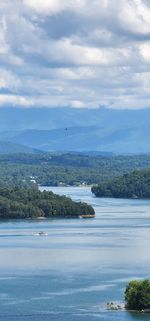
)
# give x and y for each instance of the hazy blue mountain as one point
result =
(68, 129)
(133, 140)
(8, 148)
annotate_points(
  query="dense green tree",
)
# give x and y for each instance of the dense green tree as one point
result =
(31, 203)
(132, 185)
(66, 169)
(137, 295)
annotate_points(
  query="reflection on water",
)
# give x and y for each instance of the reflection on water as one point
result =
(73, 271)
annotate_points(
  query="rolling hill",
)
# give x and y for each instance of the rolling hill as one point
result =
(11, 148)
(68, 129)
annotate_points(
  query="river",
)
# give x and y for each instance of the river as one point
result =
(70, 274)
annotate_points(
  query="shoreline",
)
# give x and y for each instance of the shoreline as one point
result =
(119, 306)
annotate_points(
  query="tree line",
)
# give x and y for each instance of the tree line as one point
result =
(132, 185)
(68, 169)
(24, 203)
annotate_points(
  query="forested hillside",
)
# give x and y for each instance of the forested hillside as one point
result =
(31, 203)
(67, 169)
(132, 185)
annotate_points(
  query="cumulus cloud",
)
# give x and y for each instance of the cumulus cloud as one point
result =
(8, 80)
(145, 51)
(135, 17)
(4, 46)
(54, 6)
(75, 53)
(15, 100)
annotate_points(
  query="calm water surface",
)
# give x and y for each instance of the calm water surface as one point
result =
(70, 274)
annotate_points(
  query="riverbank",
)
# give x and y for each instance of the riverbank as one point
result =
(119, 306)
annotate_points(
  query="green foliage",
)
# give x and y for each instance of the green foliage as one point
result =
(137, 295)
(31, 203)
(67, 169)
(133, 185)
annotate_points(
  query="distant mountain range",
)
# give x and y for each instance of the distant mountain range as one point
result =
(68, 129)
(9, 148)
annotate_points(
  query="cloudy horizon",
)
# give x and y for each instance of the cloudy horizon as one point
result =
(81, 53)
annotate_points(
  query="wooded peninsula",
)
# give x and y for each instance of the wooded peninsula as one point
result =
(132, 185)
(20, 203)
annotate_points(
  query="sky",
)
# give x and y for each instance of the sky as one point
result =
(75, 53)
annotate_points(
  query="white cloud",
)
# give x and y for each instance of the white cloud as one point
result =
(15, 100)
(8, 80)
(77, 104)
(74, 73)
(79, 53)
(145, 51)
(135, 17)
(4, 47)
(49, 7)
(67, 51)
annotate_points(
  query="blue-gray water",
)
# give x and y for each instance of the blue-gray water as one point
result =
(70, 274)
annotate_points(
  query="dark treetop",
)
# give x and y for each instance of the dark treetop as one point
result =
(137, 295)
(132, 185)
(31, 203)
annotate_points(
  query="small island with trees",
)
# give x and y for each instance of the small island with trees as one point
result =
(137, 296)
(134, 185)
(22, 203)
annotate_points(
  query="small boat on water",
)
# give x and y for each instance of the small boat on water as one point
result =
(41, 234)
